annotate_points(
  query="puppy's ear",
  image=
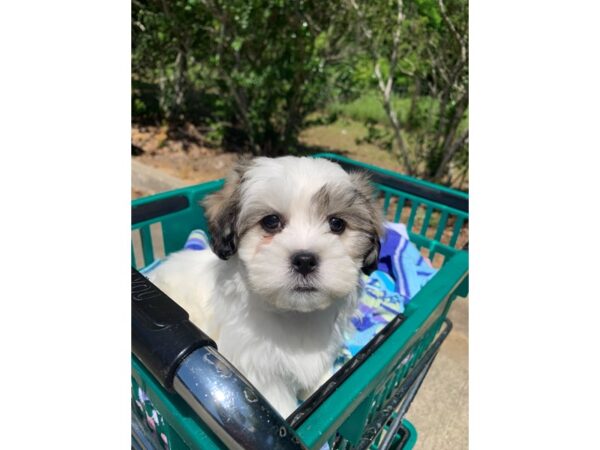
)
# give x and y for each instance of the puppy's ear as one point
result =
(222, 209)
(374, 223)
(372, 258)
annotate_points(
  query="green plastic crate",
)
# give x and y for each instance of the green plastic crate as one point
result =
(356, 414)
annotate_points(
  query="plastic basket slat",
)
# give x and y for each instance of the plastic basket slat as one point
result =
(413, 214)
(441, 226)
(147, 244)
(456, 230)
(426, 220)
(386, 203)
(133, 262)
(399, 207)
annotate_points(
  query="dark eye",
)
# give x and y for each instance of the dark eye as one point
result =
(271, 223)
(337, 225)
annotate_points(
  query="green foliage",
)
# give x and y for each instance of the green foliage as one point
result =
(422, 56)
(368, 108)
(144, 102)
(253, 71)
(429, 11)
(265, 59)
(270, 64)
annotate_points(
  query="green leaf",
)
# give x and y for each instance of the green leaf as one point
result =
(237, 44)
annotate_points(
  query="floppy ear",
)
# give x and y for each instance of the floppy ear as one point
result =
(222, 209)
(374, 224)
(372, 258)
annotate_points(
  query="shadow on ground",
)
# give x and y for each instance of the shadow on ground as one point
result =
(440, 411)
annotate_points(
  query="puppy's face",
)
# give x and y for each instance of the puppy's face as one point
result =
(303, 229)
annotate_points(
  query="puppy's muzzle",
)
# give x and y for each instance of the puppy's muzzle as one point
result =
(304, 262)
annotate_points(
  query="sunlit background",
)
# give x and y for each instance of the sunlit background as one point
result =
(384, 82)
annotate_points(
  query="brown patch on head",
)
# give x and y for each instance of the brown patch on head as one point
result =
(222, 209)
(354, 205)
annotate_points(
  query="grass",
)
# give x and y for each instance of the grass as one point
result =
(343, 136)
(369, 107)
(347, 137)
(376, 132)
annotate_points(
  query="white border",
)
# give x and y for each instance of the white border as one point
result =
(533, 227)
(65, 122)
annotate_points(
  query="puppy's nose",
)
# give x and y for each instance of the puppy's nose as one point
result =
(304, 262)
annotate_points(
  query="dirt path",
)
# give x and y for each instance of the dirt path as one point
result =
(186, 159)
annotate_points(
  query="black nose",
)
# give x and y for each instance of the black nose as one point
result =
(304, 262)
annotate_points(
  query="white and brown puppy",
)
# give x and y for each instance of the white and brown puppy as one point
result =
(292, 236)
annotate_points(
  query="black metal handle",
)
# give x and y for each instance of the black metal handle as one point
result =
(161, 333)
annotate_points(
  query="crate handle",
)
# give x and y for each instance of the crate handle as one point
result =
(161, 333)
(234, 410)
(185, 360)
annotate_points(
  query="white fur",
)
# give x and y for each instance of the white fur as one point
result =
(283, 340)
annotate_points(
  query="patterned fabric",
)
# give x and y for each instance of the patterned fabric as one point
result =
(378, 305)
(402, 260)
(197, 240)
(153, 420)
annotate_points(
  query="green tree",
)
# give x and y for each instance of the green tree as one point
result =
(271, 58)
(255, 69)
(266, 60)
(423, 43)
(168, 39)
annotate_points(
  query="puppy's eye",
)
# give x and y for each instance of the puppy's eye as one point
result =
(337, 225)
(271, 223)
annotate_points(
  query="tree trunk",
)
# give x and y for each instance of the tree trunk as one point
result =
(449, 153)
(386, 92)
(181, 64)
(416, 94)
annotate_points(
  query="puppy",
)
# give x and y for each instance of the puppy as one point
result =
(290, 237)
